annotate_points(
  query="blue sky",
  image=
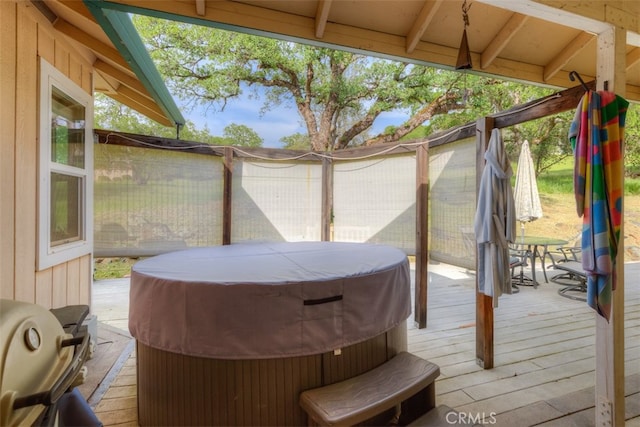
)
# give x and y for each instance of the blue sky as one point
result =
(279, 121)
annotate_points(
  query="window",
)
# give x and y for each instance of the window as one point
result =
(65, 180)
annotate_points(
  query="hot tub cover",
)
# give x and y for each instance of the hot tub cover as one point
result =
(268, 300)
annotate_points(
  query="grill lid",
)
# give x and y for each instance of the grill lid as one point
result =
(32, 360)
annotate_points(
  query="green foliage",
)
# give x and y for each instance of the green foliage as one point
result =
(242, 135)
(297, 141)
(111, 115)
(632, 141)
(337, 94)
(547, 138)
(418, 133)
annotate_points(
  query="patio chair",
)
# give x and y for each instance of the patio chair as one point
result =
(568, 259)
(564, 253)
(518, 258)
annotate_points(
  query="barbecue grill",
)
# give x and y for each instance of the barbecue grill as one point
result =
(41, 361)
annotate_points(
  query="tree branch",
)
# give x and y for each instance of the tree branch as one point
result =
(441, 105)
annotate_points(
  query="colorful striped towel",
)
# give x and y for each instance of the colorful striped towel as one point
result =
(596, 136)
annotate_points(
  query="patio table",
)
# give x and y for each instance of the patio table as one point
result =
(533, 243)
(231, 335)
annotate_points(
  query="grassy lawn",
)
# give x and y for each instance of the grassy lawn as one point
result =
(112, 268)
(559, 180)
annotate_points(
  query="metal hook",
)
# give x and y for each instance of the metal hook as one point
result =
(573, 75)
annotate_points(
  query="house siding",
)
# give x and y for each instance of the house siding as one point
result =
(25, 35)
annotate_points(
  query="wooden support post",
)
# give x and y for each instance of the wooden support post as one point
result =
(226, 195)
(327, 200)
(609, 389)
(484, 303)
(422, 235)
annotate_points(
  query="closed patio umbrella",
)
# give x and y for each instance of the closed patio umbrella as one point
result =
(596, 135)
(526, 196)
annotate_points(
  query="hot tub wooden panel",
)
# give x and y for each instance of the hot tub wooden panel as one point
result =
(175, 389)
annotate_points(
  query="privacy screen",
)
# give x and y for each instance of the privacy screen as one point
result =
(149, 201)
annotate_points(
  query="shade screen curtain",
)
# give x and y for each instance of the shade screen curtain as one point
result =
(148, 202)
(151, 201)
(276, 201)
(374, 201)
(452, 202)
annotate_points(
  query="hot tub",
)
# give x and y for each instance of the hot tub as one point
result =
(231, 335)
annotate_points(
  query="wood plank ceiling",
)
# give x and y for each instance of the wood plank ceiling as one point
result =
(524, 40)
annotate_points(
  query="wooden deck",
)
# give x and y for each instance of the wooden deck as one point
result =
(544, 354)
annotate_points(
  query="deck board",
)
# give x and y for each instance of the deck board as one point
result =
(544, 355)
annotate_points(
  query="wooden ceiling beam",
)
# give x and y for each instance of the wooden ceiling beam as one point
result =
(421, 23)
(322, 16)
(141, 108)
(500, 41)
(201, 7)
(79, 8)
(122, 77)
(566, 54)
(112, 84)
(633, 57)
(141, 104)
(142, 100)
(582, 15)
(95, 45)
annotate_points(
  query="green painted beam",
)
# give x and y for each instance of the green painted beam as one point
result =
(123, 34)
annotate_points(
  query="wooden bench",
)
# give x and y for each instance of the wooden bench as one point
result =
(361, 398)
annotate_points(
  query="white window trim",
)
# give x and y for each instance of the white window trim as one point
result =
(49, 256)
